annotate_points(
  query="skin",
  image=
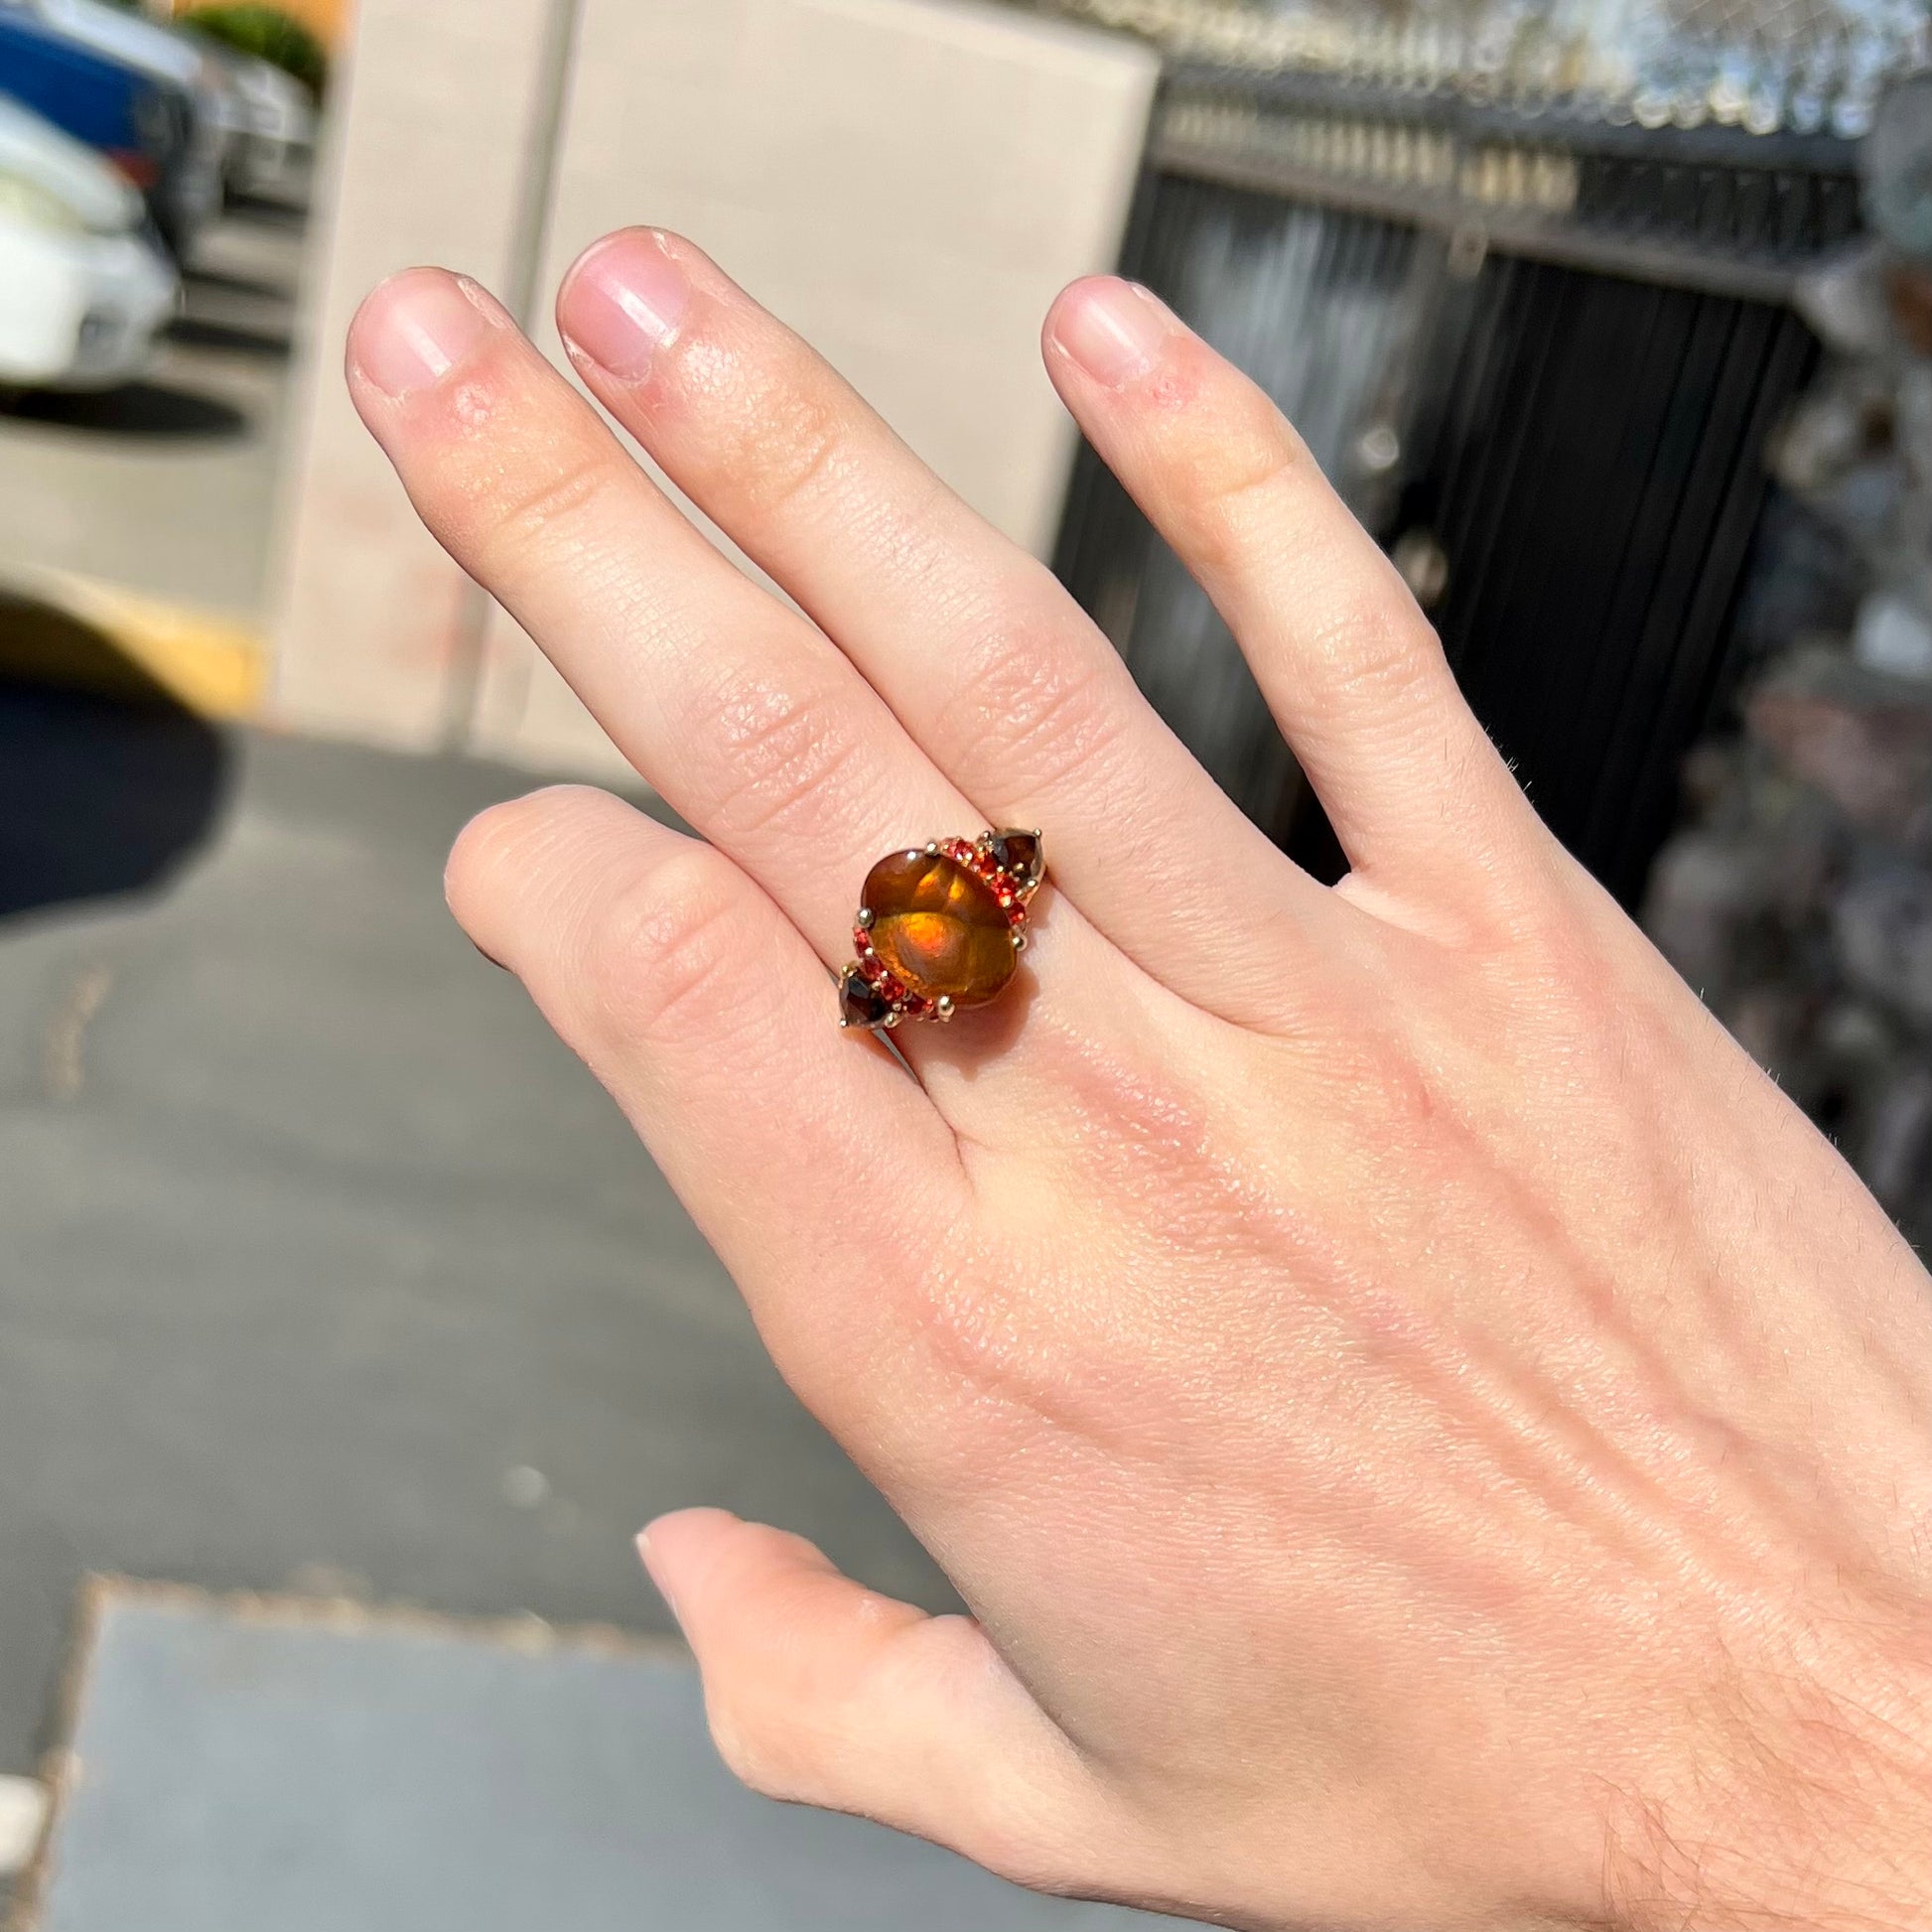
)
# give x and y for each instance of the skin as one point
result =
(1429, 1435)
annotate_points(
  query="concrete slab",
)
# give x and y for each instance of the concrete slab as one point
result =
(284, 1768)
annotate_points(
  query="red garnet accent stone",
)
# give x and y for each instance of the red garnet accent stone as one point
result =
(860, 1003)
(940, 928)
(1019, 854)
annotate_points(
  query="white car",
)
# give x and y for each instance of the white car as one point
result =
(276, 137)
(83, 288)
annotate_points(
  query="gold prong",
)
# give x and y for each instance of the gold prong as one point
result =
(931, 846)
(1020, 942)
(944, 1007)
(863, 918)
(890, 1021)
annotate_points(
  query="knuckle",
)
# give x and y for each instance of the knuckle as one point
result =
(779, 751)
(1369, 648)
(1238, 497)
(787, 437)
(514, 508)
(660, 953)
(1046, 706)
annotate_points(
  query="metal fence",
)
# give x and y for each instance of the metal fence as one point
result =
(1540, 361)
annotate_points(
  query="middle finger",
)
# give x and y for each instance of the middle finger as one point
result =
(988, 663)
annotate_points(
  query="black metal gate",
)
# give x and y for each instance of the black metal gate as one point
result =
(1556, 398)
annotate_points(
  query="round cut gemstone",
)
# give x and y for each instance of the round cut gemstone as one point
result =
(940, 928)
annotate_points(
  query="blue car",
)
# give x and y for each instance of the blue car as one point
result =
(141, 124)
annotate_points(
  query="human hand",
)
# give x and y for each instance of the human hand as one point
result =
(1428, 1433)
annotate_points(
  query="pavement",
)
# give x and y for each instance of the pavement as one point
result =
(326, 1267)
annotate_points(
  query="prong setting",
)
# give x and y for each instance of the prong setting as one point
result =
(902, 969)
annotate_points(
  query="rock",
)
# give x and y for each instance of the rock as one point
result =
(1861, 737)
(1896, 165)
(1706, 890)
(1844, 421)
(1893, 637)
(1882, 936)
(1897, 1142)
(1845, 300)
(1908, 299)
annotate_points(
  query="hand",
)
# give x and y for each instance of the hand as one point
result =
(1428, 1433)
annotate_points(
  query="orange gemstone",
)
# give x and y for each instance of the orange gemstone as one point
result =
(940, 928)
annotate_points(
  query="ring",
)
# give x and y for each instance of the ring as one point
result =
(940, 928)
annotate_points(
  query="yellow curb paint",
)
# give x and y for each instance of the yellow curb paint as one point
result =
(57, 627)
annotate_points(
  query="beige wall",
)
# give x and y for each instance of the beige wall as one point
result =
(906, 181)
(427, 150)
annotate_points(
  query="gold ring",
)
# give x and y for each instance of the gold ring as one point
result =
(940, 928)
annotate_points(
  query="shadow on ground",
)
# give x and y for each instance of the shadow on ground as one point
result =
(106, 783)
(149, 409)
(275, 343)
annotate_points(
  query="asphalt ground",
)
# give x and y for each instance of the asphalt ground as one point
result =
(324, 1266)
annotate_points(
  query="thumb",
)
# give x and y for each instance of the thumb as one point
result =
(821, 1692)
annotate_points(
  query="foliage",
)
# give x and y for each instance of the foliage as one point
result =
(267, 33)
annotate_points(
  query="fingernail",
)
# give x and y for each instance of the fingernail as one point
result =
(415, 329)
(625, 300)
(650, 1569)
(1114, 330)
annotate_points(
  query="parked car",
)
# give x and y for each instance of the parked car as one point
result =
(83, 285)
(275, 139)
(194, 189)
(135, 121)
(141, 124)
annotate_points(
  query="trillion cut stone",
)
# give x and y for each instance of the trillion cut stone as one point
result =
(860, 1003)
(940, 928)
(1018, 853)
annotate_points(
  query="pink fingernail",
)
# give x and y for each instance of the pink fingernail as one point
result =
(624, 301)
(415, 329)
(1114, 330)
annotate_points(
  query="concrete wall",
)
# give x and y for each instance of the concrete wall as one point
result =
(437, 126)
(906, 181)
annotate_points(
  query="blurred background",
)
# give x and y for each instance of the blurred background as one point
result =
(329, 1283)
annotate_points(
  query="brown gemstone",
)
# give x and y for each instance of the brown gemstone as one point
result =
(860, 1003)
(1016, 852)
(940, 928)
